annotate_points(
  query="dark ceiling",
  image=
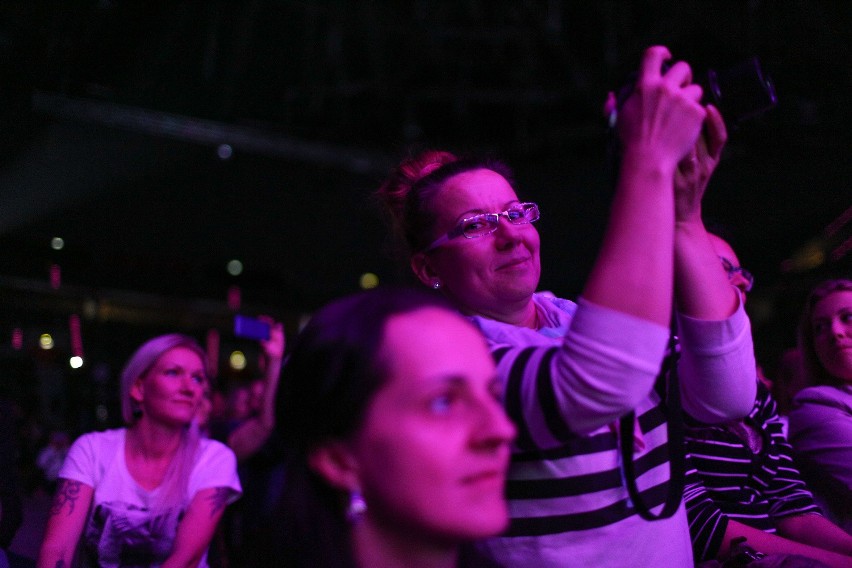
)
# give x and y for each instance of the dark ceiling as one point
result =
(162, 139)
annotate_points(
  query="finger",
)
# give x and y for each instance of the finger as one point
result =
(688, 163)
(717, 133)
(652, 61)
(680, 74)
(609, 104)
(693, 92)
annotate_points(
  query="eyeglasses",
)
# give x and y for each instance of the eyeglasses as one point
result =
(486, 223)
(731, 270)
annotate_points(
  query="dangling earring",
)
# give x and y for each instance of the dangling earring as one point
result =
(436, 284)
(357, 507)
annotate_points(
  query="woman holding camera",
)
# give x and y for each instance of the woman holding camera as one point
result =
(570, 371)
(152, 493)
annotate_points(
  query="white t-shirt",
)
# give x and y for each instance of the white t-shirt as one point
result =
(120, 530)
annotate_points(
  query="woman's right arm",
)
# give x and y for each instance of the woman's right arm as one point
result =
(657, 125)
(65, 524)
(604, 367)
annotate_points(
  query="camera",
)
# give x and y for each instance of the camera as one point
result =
(251, 328)
(741, 92)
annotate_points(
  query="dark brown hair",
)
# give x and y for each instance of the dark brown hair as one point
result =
(334, 370)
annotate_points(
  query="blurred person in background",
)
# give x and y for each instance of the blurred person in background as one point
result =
(248, 421)
(821, 418)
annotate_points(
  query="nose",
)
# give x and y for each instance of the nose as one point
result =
(189, 384)
(493, 428)
(506, 232)
(838, 328)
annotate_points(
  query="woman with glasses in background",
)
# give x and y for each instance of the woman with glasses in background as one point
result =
(742, 482)
(571, 370)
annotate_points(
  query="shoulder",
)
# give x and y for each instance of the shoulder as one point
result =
(100, 441)
(214, 450)
(91, 455)
(215, 466)
(825, 396)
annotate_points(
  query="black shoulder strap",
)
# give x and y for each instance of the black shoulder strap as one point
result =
(675, 429)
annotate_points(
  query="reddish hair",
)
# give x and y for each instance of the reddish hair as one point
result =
(408, 194)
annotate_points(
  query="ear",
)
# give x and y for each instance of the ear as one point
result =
(422, 267)
(137, 390)
(334, 462)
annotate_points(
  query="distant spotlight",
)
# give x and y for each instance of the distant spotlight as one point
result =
(57, 243)
(90, 308)
(75, 362)
(369, 280)
(224, 151)
(45, 341)
(235, 267)
(237, 360)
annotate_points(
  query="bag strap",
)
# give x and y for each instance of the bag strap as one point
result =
(675, 429)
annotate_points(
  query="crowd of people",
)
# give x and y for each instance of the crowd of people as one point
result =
(473, 421)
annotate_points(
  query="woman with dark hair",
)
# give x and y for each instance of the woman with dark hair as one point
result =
(395, 441)
(821, 419)
(574, 372)
(152, 493)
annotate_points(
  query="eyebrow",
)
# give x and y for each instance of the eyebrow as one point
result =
(479, 211)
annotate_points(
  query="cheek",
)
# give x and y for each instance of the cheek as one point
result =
(407, 470)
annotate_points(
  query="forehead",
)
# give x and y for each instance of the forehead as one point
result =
(479, 190)
(723, 249)
(833, 303)
(183, 356)
(431, 343)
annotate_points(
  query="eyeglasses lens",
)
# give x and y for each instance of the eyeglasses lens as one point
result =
(732, 270)
(486, 223)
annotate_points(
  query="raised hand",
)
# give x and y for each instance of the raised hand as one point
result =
(662, 117)
(694, 170)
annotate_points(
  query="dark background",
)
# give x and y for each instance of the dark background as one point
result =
(113, 115)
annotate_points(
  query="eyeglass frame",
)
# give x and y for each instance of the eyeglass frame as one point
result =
(458, 230)
(731, 269)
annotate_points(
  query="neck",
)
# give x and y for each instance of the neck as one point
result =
(522, 314)
(153, 441)
(378, 547)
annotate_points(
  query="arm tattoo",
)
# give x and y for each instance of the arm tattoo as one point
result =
(219, 499)
(68, 491)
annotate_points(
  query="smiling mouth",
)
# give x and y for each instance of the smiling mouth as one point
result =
(514, 263)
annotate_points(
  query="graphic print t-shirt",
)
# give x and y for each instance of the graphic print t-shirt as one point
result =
(121, 531)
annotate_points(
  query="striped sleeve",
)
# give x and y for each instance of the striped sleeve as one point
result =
(560, 388)
(707, 523)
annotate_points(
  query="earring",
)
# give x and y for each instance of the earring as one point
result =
(436, 284)
(357, 507)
